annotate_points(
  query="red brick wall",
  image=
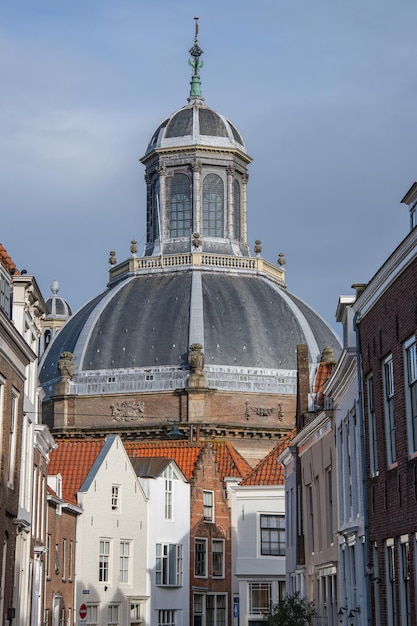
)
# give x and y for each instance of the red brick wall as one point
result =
(206, 477)
(392, 506)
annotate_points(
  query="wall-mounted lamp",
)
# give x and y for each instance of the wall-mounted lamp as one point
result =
(340, 613)
(370, 572)
(351, 616)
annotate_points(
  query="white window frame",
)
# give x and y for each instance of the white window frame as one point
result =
(404, 580)
(208, 506)
(389, 408)
(135, 612)
(125, 559)
(202, 541)
(115, 498)
(373, 442)
(390, 581)
(92, 615)
(221, 558)
(169, 476)
(166, 617)
(14, 426)
(410, 367)
(104, 560)
(256, 608)
(113, 614)
(271, 531)
(215, 597)
(168, 565)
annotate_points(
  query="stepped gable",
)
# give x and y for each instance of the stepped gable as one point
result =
(269, 471)
(74, 460)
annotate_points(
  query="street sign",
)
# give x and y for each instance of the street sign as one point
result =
(83, 611)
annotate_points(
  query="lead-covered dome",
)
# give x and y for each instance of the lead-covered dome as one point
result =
(196, 124)
(196, 330)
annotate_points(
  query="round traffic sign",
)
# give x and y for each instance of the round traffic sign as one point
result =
(83, 611)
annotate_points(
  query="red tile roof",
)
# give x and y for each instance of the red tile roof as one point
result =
(73, 460)
(185, 454)
(6, 260)
(269, 471)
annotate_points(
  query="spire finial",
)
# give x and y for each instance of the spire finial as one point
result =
(196, 63)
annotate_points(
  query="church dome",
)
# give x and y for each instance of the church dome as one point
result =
(136, 335)
(57, 307)
(196, 329)
(196, 124)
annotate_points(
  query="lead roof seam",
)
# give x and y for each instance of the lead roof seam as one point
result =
(308, 333)
(85, 335)
(196, 332)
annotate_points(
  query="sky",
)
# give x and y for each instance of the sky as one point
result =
(324, 93)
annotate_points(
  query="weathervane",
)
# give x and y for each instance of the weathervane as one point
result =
(196, 63)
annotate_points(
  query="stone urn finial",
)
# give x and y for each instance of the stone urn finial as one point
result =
(196, 363)
(112, 258)
(66, 366)
(258, 247)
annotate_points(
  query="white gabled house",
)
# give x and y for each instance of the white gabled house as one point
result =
(259, 542)
(112, 536)
(168, 495)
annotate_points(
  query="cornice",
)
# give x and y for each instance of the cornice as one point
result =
(388, 273)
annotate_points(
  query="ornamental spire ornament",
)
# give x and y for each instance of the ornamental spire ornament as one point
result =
(196, 63)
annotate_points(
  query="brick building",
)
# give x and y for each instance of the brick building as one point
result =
(387, 321)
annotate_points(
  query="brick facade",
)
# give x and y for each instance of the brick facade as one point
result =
(392, 492)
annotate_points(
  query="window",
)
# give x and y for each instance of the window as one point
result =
(134, 614)
(169, 475)
(115, 498)
(310, 515)
(92, 615)
(113, 615)
(259, 598)
(404, 581)
(70, 560)
(200, 557)
(124, 561)
(168, 564)
(2, 386)
(180, 215)
(64, 557)
(198, 609)
(330, 505)
(217, 552)
(153, 213)
(104, 561)
(208, 501)
(215, 610)
(48, 556)
(272, 535)
(213, 206)
(13, 439)
(373, 447)
(390, 580)
(411, 386)
(56, 559)
(388, 376)
(166, 618)
(236, 210)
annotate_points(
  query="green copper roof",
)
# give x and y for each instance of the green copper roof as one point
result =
(196, 63)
